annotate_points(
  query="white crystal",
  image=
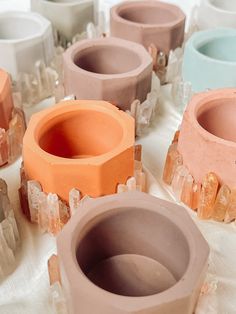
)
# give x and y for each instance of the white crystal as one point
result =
(34, 188)
(74, 199)
(58, 299)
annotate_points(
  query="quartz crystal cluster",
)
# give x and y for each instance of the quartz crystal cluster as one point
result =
(138, 181)
(143, 113)
(210, 199)
(11, 139)
(9, 235)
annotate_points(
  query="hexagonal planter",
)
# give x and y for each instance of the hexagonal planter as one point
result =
(131, 253)
(68, 17)
(6, 101)
(210, 60)
(24, 39)
(87, 145)
(149, 22)
(109, 69)
(216, 13)
(207, 138)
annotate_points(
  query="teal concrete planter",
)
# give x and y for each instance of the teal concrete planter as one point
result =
(210, 59)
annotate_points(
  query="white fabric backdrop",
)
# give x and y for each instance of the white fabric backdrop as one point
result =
(25, 291)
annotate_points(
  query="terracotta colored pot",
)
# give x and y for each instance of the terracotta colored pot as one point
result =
(108, 69)
(131, 253)
(6, 101)
(24, 39)
(209, 59)
(69, 17)
(87, 145)
(215, 13)
(207, 140)
(149, 22)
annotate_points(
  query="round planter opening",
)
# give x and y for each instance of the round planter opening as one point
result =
(16, 27)
(133, 252)
(81, 135)
(218, 118)
(149, 14)
(227, 5)
(222, 48)
(107, 60)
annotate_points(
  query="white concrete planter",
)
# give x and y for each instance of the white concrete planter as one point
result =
(69, 17)
(217, 13)
(24, 39)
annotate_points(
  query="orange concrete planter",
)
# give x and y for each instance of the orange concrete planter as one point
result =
(88, 145)
(6, 101)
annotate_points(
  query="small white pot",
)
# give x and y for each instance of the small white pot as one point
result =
(69, 17)
(217, 13)
(24, 39)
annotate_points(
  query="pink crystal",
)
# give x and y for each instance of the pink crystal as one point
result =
(231, 208)
(196, 195)
(173, 160)
(180, 174)
(34, 188)
(74, 199)
(187, 191)
(43, 219)
(64, 213)
(54, 225)
(221, 203)
(207, 196)
(3, 147)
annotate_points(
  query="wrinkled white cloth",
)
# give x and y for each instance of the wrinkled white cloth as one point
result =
(26, 290)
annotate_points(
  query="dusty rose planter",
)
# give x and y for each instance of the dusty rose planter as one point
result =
(201, 163)
(149, 22)
(88, 145)
(114, 257)
(108, 69)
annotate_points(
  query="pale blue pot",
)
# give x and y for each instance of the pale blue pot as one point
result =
(210, 59)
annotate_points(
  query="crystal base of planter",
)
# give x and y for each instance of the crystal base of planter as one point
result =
(51, 213)
(9, 235)
(11, 140)
(210, 199)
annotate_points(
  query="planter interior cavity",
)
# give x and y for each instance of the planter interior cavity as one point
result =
(227, 5)
(223, 48)
(18, 28)
(140, 266)
(217, 118)
(107, 60)
(77, 136)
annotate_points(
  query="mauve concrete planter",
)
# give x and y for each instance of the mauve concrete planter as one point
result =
(131, 253)
(207, 140)
(149, 22)
(87, 145)
(108, 69)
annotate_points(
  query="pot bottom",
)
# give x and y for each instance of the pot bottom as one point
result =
(131, 275)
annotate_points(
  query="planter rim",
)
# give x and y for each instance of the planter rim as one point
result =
(66, 4)
(139, 50)
(199, 101)
(146, 202)
(40, 119)
(115, 10)
(43, 23)
(202, 37)
(218, 9)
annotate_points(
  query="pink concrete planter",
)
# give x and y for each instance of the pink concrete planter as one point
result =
(131, 253)
(208, 135)
(149, 22)
(108, 69)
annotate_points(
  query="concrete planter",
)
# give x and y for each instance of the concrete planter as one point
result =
(131, 253)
